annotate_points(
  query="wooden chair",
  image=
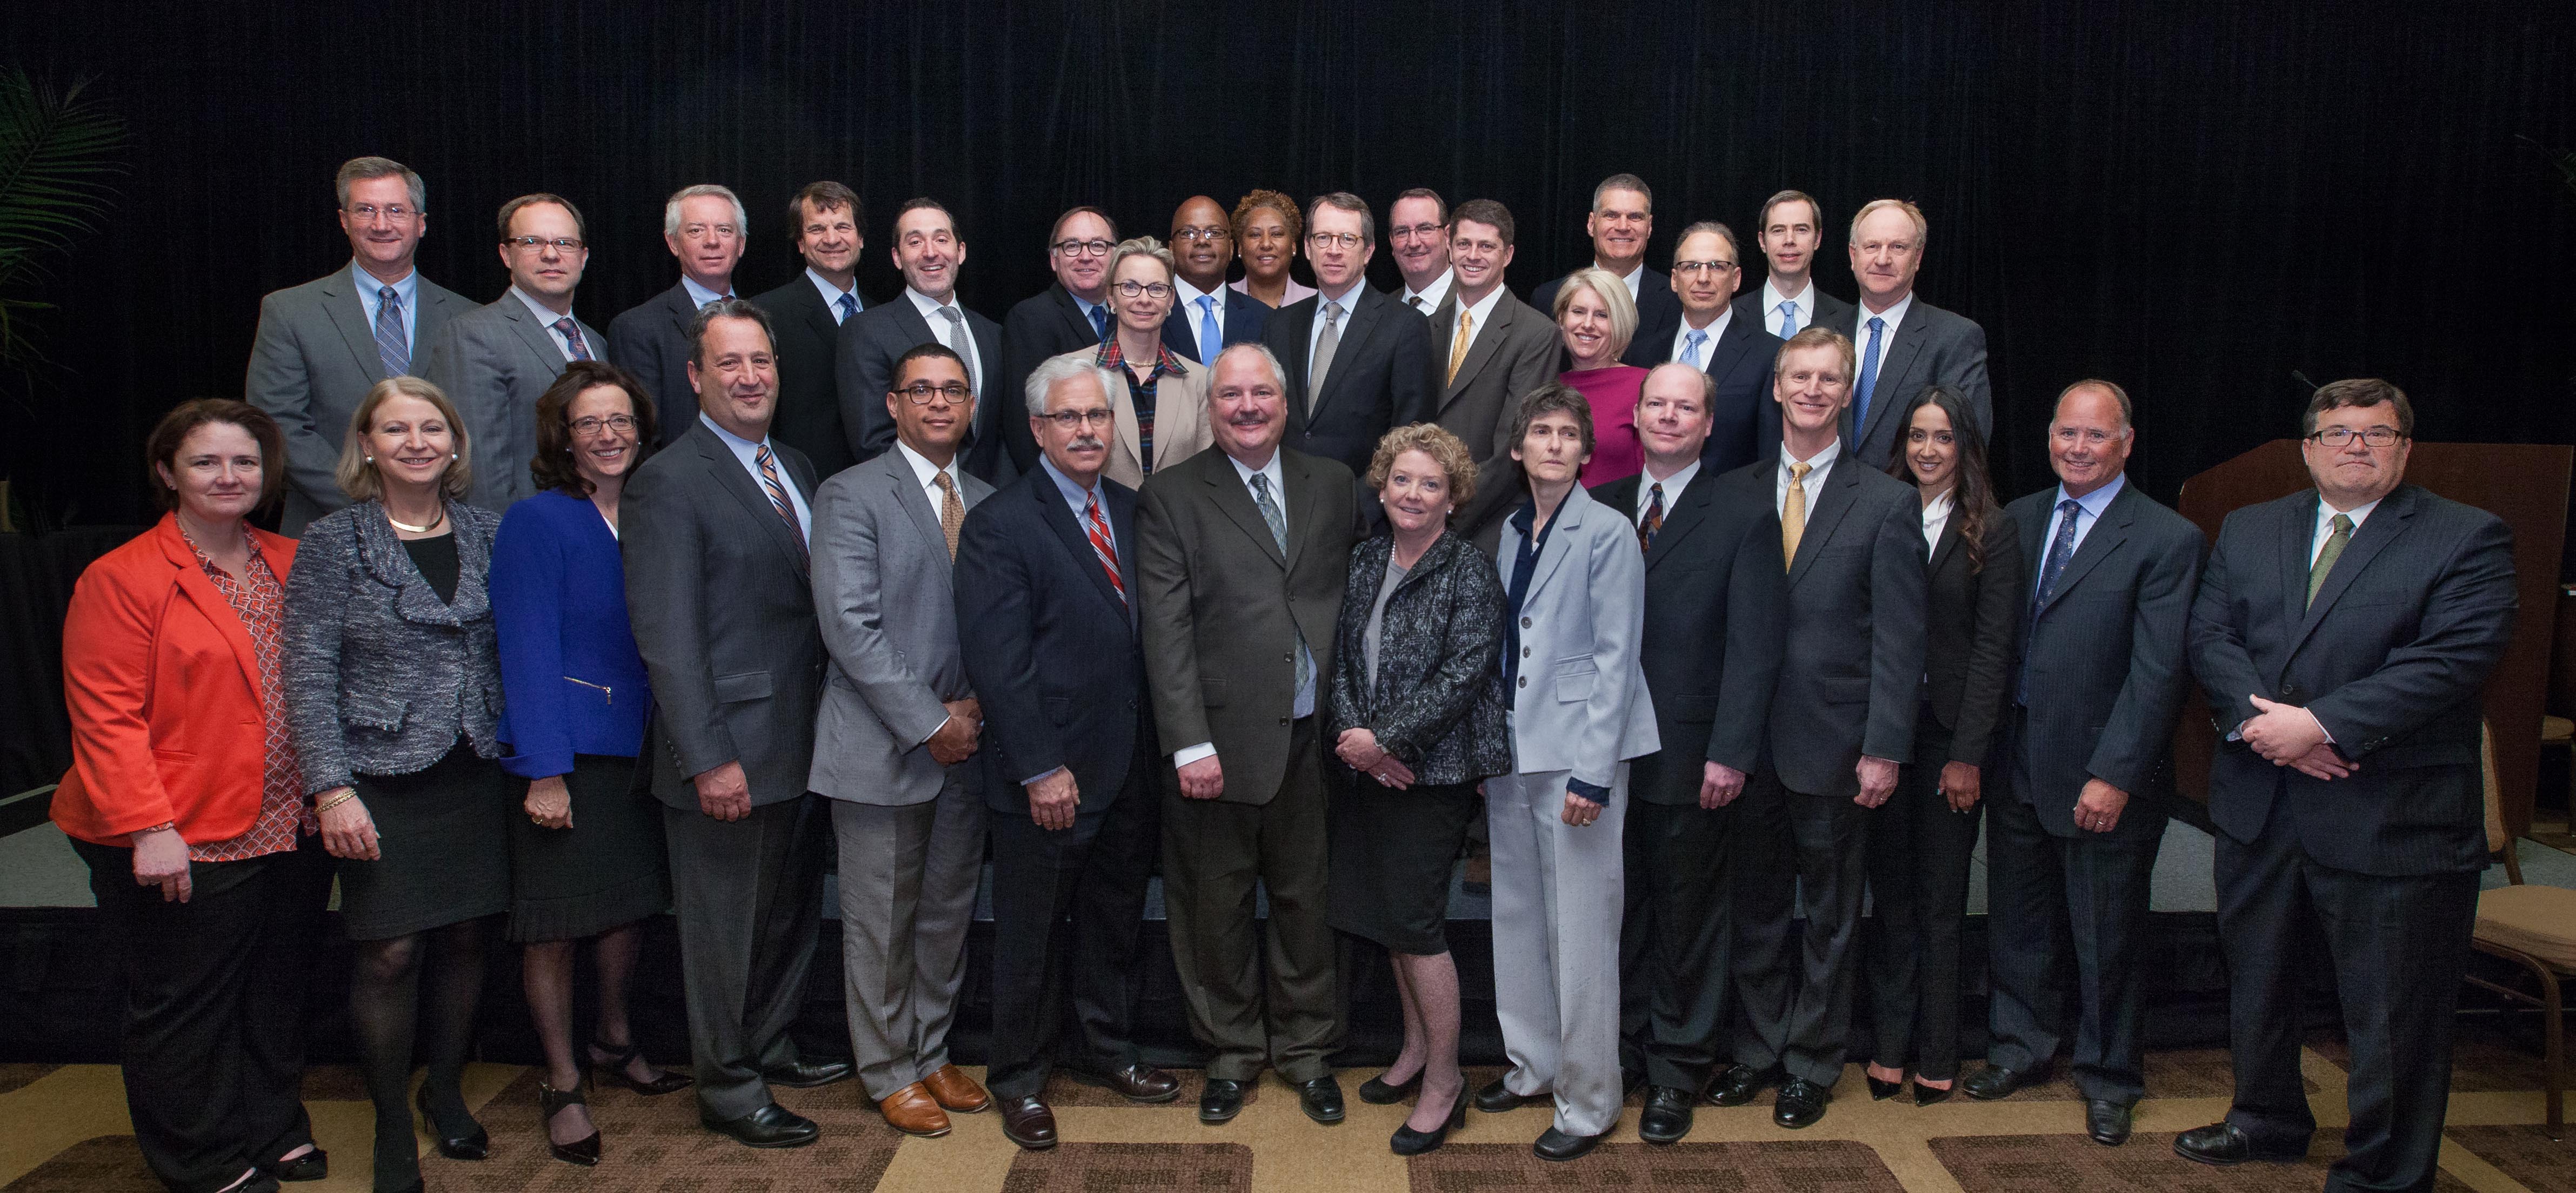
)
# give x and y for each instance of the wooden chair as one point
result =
(2533, 927)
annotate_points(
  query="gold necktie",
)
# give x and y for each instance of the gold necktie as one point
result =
(1793, 513)
(952, 512)
(1458, 343)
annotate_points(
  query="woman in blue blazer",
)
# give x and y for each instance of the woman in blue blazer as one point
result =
(574, 721)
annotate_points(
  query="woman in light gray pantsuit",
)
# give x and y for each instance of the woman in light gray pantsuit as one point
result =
(1575, 583)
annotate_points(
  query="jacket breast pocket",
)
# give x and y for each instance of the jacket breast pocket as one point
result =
(747, 685)
(1574, 680)
(373, 710)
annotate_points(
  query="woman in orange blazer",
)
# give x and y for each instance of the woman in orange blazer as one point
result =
(183, 799)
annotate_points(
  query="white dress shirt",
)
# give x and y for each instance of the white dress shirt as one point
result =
(1803, 308)
(1936, 516)
(1818, 465)
(928, 473)
(1478, 316)
(698, 294)
(1186, 299)
(1636, 279)
(942, 329)
(2325, 524)
(1673, 486)
(832, 294)
(1305, 700)
(547, 318)
(407, 290)
(2088, 510)
(749, 453)
(1716, 330)
(1427, 299)
(1350, 301)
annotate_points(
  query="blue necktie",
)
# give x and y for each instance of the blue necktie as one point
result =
(1210, 339)
(849, 306)
(1690, 347)
(2061, 547)
(1100, 324)
(1868, 379)
(1788, 319)
(392, 346)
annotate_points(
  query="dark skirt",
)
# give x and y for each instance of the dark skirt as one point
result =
(608, 869)
(443, 846)
(1392, 856)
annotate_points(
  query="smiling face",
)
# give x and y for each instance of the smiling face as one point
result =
(1267, 249)
(1673, 415)
(1247, 406)
(1932, 448)
(601, 452)
(1421, 242)
(546, 273)
(735, 372)
(1551, 451)
(382, 240)
(1620, 224)
(1202, 242)
(217, 473)
(1079, 255)
(1074, 433)
(1478, 253)
(2357, 474)
(1338, 265)
(1811, 386)
(2088, 441)
(932, 407)
(1886, 251)
(928, 252)
(1416, 495)
(708, 243)
(1586, 331)
(1143, 311)
(1789, 236)
(411, 442)
(829, 240)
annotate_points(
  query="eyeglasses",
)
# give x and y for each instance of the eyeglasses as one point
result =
(561, 244)
(1083, 248)
(1075, 420)
(396, 212)
(1417, 231)
(1202, 235)
(587, 427)
(921, 392)
(1326, 240)
(1713, 268)
(2343, 437)
(1149, 289)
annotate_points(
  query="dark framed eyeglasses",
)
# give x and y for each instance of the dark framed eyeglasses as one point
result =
(2343, 437)
(1133, 289)
(920, 393)
(1083, 248)
(1075, 420)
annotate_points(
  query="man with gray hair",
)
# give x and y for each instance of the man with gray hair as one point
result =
(704, 226)
(1904, 344)
(323, 344)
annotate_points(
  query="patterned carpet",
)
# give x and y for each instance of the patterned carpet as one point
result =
(62, 1130)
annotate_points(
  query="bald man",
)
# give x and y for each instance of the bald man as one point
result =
(1206, 313)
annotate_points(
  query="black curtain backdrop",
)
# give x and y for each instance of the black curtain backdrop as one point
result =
(2193, 199)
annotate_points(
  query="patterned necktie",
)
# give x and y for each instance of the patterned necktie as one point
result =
(960, 343)
(1458, 343)
(1691, 346)
(1868, 379)
(2326, 556)
(2061, 547)
(1100, 325)
(1793, 514)
(1653, 522)
(849, 305)
(392, 346)
(1788, 319)
(1210, 338)
(1324, 346)
(778, 500)
(952, 512)
(1096, 529)
(1279, 530)
(571, 333)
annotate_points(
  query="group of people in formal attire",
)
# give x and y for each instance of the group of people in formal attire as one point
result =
(1699, 603)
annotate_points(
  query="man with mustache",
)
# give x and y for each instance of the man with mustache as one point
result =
(1242, 556)
(494, 362)
(1789, 230)
(1904, 344)
(808, 311)
(1072, 313)
(929, 250)
(1622, 220)
(705, 229)
(1418, 224)
(1206, 313)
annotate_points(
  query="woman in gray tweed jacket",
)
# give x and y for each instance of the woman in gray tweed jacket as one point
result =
(1417, 718)
(393, 686)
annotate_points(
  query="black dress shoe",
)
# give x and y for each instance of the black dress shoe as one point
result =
(806, 1074)
(1560, 1147)
(2106, 1122)
(311, 1166)
(1321, 1099)
(1880, 1091)
(456, 1142)
(1497, 1098)
(1028, 1122)
(1800, 1104)
(1221, 1100)
(2225, 1144)
(1667, 1116)
(1408, 1142)
(1376, 1092)
(1740, 1084)
(1996, 1081)
(1136, 1083)
(1925, 1095)
(770, 1126)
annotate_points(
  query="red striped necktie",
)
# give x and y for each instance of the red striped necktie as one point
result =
(1098, 530)
(778, 499)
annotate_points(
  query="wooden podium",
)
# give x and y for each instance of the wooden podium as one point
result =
(2524, 484)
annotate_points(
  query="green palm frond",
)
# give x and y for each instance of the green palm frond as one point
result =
(58, 152)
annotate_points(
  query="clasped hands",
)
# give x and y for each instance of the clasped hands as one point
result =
(2288, 735)
(1359, 748)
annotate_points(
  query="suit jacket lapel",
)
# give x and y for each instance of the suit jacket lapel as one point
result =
(2105, 537)
(1488, 341)
(2373, 536)
(1366, 311)
(818, 313)
(1729, 348)
(1235, 498)
(539, 341)
(1840, 489)
(349, 314)
(209, 599)
(681, 311)
(1569, 516)
(1077, 541)
(2296, 543)
(733, 478)
(1683, 513)
(1885, 395)
(915, 500)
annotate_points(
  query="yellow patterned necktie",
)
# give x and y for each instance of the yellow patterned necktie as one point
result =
(1793, 513)
(1458, 343)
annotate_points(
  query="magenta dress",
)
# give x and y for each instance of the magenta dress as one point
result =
(1617, 453)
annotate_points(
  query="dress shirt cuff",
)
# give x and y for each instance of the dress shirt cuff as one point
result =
(1592, 791)
(935, 729)
(2321, 726)
(1186, 756)
(1040, 775)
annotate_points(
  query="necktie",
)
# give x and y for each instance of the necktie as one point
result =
(1210, 339)
(1788, 319)
(1690, 348)
(2326, 556)
(1868, 379)
(1324, 346)
(1654, 519)
(2061, 546)
(392, 346)
(849, 305)
(1423, 304)
(713, 301)
(777, 490)
(1097, 529)
(1100, 324)
(571, 333)
(1793, 513)
(952, 512)
(1458, 343)
(1279, 530)
(964, 346)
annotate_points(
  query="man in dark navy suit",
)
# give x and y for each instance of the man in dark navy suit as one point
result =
(807, 313)
(1072, 313)
(705, 228)
(1622, 220)
(1735, 354)
(1358, 362)
(1206, 313)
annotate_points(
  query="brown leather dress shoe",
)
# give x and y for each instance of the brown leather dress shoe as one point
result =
(1136, 1083)
(1028, 1123)
(914, 1112)
(956, 1091)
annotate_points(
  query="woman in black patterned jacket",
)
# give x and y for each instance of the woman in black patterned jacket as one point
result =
(1417, 716)
(393, 686)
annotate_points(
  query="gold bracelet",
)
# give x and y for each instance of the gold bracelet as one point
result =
(336, 801)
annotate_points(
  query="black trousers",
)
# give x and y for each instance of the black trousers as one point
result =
(2397, 944)
(1797, 1006)
(1068, 906)
(213, 1042)
(1675, 939)
(748, 895)
(1919, 854)
(2049, 898)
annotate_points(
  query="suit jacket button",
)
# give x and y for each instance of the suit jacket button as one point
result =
(1525, 651)
(1524, 681)
(1525, 623)
(1283, 720)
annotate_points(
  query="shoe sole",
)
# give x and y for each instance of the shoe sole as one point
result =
(987, 1105)
(1218, 1120)
(1321, 1118)
(1027, 1145)
(816, 1083)
(920, 1134)
(780, 1143)
(1664, 1140)
(1567, 1158)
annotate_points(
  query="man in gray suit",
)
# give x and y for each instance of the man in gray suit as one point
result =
(1241, 557)
(705, 227)
(494, 362)
(1903, 345)
(1492, 348)
(323, 344)
(895, 745)
(2071, 839)
(717, 585)
(1850, 681)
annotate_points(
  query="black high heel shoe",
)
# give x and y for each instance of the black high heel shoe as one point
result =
(471, 1144)
(1925, 1095)
(1880, 1091)
(1408, 1142)
(668, 1083)
(584, 1151)
(1377, 1092)
(311, 1166)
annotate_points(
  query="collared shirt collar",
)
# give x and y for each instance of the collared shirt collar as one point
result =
(1086, 306)
(1816, 463)
(2092, 503)
(1483, 310)
(1349, 300)
(367, 284)
(1278, 480)
(832, 294)
(924, 471)
(698, 294)
(1166, 362)
(1673, 487)
(1894, 316)
(929, 306)
(1074, 495)
(1636, 279)
(1716, 330)
(741, 446)
(2325, 522)
(1433, 293)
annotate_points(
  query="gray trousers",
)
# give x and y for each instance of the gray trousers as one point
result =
(749, 898)
(1558, 894)
(907, 893)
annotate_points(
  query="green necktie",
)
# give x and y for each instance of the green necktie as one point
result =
(2326, 556)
